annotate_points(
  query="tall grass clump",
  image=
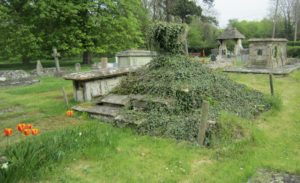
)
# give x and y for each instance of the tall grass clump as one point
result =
(28, 158)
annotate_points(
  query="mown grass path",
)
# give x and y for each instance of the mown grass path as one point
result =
(275, 143)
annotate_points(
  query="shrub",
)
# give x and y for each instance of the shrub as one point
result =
(293, 51)
(167, 37)
(292, 43)
(186, 84)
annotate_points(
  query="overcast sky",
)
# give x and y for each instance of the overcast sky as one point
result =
(241, 9)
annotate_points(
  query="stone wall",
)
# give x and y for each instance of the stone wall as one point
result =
(88, 90)
(267, 53)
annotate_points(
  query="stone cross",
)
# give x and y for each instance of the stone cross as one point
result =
(77, 67)
(104, 62)
(39, 68)
(55, 55)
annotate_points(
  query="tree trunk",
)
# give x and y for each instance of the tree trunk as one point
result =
(25, 60)
(296, 20)
(87, 57)
(168, 9)
(275, 19)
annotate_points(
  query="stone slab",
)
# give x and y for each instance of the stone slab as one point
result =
(107, 111)
(95, 75)
(16, 78)
(121, 100)
(268, 176)
(277, 71)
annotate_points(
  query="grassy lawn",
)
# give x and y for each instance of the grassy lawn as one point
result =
(64, 62)
(120, 155)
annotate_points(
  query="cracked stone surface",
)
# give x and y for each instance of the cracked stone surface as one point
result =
(268, 176)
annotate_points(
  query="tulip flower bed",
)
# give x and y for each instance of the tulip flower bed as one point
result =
(40, 153)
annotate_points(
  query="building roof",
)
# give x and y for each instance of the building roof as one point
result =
(231, 33)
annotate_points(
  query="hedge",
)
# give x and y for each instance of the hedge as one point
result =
(292, 43)
(293, 51)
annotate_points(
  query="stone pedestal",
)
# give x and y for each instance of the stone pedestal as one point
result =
(93, 84)
(134, 58)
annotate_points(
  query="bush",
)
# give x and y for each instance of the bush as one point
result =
(186, 84)
(167, 37)
(293, 51)
(28, 157)
(292, 43)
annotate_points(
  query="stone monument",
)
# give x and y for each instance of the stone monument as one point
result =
(77, 67)
(39, 68)
(55, 55)
(134, 58)
(267, 53)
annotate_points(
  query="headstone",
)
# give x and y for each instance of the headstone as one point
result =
(77, 67)
(104, 62)
(55, 55)
(213, 58)
(39, 68)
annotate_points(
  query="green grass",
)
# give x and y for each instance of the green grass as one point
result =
(128, 157)
(65, 62)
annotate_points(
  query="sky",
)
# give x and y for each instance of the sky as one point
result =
(241, 9)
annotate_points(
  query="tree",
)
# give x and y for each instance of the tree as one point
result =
(287, 15)
(163, 10)
(18, 31)
(185, 9)
(202, 35)
(72, 26)
(93, 26)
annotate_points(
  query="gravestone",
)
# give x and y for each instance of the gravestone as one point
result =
(39, 68)
(104, 62)
(77, 67)
(16, 77)
(55, 55)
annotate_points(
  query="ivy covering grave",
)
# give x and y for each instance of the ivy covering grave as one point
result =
(185, 84)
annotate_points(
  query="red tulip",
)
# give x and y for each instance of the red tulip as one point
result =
(21, 127)
(29, 126)
(8, 131)
(70, 113)
(35, 131)
(26, 132)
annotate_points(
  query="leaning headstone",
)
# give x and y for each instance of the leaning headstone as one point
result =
(104, 62)
(55, 55)
(39, 68)
(77, 67)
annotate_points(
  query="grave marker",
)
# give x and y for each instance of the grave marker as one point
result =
(55, 55)
(203, 123)
(77, 67)
(104, 62)
(39, 68)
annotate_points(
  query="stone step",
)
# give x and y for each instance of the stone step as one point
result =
(103, 110)
(115, 100)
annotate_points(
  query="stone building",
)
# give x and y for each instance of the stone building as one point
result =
(230, 34)
(267, 53)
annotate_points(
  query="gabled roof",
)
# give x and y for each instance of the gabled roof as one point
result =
(231, 33)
